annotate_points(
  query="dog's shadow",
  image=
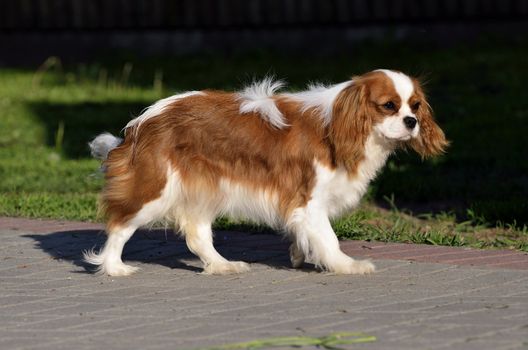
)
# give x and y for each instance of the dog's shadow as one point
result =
(163, 247)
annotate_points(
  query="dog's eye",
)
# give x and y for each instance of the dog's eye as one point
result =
(415, 106)
(390, 105)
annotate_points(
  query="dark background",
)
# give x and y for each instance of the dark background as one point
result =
(32, 30)
(472, 54)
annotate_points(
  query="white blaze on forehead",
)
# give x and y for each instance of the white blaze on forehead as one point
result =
(393, 127)
(402, 83)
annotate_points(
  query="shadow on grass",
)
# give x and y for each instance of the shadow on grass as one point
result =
(80, 123)
(164, 248)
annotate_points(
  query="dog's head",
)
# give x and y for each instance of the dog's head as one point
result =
(393, 106)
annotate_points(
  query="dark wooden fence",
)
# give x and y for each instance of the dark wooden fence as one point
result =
(50, 15)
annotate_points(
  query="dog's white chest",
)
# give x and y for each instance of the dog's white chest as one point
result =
(337, 191)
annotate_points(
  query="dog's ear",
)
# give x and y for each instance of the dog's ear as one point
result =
(431, 140)
(351, 125)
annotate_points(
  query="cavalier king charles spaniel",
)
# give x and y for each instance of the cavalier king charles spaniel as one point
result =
(290, 160)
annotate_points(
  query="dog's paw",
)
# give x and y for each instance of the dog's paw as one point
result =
(226, 268)
(118, 269)
(353, 267)
(296, 256)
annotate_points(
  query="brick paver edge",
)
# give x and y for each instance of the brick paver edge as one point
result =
(462, 256)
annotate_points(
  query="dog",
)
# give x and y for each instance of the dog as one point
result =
(291, 160)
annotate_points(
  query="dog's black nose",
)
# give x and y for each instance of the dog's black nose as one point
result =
(410, 122)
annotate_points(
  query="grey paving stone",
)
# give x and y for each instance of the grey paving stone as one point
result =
(48, 300)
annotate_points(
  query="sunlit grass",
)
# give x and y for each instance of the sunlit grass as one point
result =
(474, 195)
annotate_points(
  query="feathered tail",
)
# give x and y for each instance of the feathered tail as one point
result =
(103, 144)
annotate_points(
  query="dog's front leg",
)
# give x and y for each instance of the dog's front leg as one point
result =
(315, 239)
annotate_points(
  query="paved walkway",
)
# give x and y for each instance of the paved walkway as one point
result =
(421, 297)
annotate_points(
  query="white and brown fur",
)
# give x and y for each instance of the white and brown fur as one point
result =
(288, 160)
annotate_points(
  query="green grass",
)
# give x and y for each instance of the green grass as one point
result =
(330, 342)
(474, 195)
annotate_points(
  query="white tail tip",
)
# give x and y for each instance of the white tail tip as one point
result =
(103, 144)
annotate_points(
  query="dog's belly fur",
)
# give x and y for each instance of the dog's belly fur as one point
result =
(334, 192)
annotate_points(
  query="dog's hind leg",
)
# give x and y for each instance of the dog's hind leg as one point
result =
(108, 259)
(120, 230)
(199, 239)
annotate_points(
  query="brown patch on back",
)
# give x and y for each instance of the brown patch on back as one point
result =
(215, 142)
(205, 139)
